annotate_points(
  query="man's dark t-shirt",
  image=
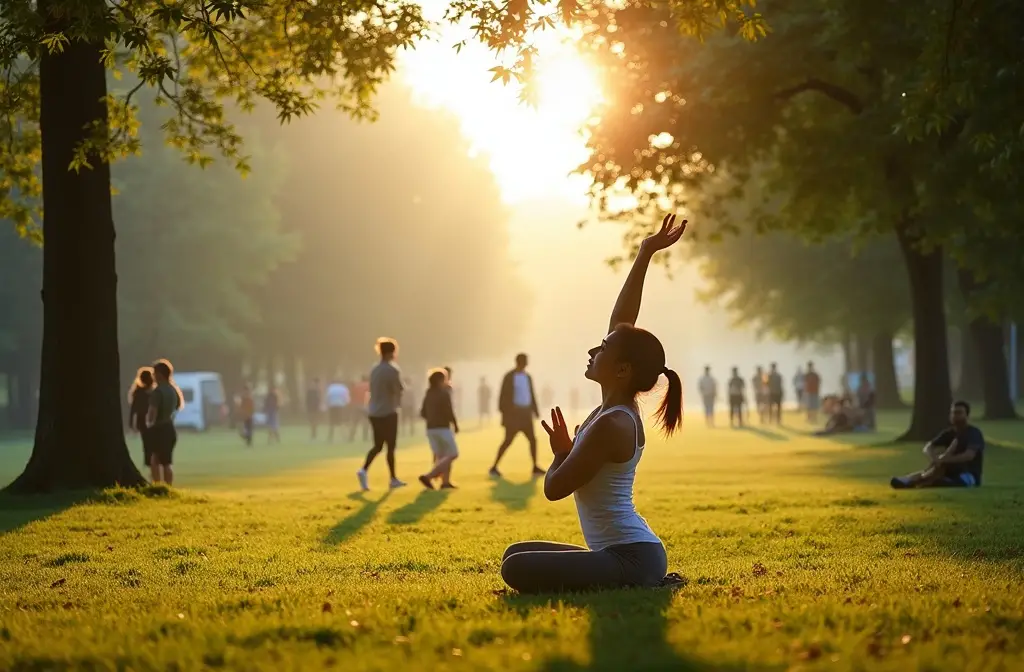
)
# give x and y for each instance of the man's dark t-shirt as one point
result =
(312, 400)
(775, 384)
(140, 408)
(968, 437)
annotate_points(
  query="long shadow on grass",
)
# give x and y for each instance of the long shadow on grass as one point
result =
(16, 511)
(515, 496)
(628, 631)
(348, 527)
(763, 433)
(425, 502)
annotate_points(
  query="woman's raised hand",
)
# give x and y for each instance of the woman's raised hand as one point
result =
(558, 432)
(666, 236)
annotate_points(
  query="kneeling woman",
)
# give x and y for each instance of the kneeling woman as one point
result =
(598, 466)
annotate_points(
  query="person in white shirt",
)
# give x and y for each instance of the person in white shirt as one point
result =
(517, 404)
(709, 393)
(338, 399)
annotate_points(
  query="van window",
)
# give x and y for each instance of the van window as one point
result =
(213, 392)
(189, 394)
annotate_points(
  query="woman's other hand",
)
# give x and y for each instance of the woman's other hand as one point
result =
(558, 433)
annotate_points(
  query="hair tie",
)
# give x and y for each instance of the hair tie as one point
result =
(664, 370)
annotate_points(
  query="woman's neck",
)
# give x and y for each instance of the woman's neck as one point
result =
(615, 397)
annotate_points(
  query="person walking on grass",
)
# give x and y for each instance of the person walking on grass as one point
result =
(517, 404)
(775, 394)
(709, 394)
(338, 400)
(138, 401)
(483, 395)
(598, 466)
(272, 411)
(165, 400)
(246, 412)
(812, 393)
(385, 400)
(438, 413)
(737, 398)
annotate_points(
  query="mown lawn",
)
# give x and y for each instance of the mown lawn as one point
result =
(797, 552)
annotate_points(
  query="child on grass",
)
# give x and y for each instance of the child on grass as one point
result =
(442, 426)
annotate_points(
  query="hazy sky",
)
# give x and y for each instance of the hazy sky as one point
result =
(532, 152)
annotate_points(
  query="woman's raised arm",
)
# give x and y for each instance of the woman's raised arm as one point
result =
(627, 306)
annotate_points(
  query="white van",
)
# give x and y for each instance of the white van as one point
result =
(204, 400)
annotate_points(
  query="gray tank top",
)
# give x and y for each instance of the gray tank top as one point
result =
(605, 504)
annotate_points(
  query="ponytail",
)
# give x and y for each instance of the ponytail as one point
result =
(670, 411)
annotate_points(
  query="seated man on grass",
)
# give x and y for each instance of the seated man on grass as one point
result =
(956, 455)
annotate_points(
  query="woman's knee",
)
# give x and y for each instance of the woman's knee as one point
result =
(515, 570)
(518, 547)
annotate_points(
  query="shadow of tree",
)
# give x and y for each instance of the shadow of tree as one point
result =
(349, 526)
(425, 502)
(515, 496)
(763, 433)
(17, 511)
(641, 612)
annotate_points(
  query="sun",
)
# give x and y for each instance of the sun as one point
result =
(532, 149)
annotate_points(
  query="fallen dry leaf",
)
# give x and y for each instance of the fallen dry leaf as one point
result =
(327, 608)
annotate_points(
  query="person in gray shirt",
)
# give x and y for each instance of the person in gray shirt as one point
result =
(385, 400)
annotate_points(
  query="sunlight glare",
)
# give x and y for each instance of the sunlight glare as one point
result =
(532, 150)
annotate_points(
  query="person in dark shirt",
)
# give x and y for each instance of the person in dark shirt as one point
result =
(165, 400)
(138, 398)
(272, 410)
(775, 393)
(955, 455)
(737, 398)
(442, 427)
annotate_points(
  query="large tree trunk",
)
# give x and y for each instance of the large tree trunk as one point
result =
(887, 386)
(989, 357)
(932, 393)
(862, 348)
(969, 386)
(987, 337)
(79, 439)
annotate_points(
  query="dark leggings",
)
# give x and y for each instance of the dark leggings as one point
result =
(551, 567)
(385, 434)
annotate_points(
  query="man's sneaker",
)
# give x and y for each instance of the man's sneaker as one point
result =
(898, 483)
(537, 471)
(395, 483)
(426, 483)
(494, 473)
(364, 482)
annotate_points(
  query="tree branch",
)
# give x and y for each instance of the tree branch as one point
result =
(842, 96)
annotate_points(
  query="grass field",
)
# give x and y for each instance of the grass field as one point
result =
(798, 556)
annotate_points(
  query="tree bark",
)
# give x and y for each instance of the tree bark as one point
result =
(79, 440)
(887, 387)
(986, 344)
(987, 337)
(970, 384)
(932, 393)
(862, 347)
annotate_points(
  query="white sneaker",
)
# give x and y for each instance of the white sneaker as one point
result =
(395, 483)
(364, 482)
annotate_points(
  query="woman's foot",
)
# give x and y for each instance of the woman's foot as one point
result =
(426, 483)
(537, 471)
(395, 483)
(448, 486)
(494, 473)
